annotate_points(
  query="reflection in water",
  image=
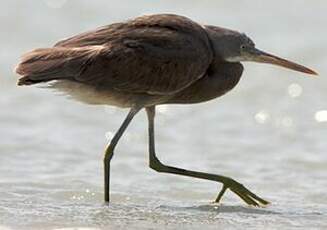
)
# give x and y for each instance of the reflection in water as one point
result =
(321, 116)
(262, 117)
(294, 90)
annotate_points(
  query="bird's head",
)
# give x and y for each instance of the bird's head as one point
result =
(232, 46)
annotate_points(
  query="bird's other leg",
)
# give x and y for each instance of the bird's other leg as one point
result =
(110, 151)
(228, 183)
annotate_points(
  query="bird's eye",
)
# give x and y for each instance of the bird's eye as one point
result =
(243, 47)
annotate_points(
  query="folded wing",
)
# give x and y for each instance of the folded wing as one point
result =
(159, 54)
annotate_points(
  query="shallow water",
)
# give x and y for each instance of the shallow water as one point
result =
(269, 132)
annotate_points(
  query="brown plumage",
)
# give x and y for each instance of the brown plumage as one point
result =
(172, 53)
(150, 60)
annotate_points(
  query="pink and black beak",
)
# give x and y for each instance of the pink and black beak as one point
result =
(257, 55)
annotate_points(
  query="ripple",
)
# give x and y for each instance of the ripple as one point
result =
(231, 209)
(4, 228)
(76, 228)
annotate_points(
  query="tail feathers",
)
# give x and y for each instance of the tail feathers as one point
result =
(28, 80)
(25, 81)
(46, 64)
(39, 61)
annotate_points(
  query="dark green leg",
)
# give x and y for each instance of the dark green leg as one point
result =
(110, 152)
(246, 195)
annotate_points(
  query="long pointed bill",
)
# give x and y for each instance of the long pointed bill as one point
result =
(260, 56)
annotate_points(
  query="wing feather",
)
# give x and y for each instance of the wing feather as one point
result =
(158, 54)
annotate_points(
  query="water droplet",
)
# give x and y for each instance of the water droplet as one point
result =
(109, 135)
(87, 190)
(294, 90)
(56, 4)
(262, 117)
(321, 116)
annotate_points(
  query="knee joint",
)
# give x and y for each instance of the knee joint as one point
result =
(108, 155)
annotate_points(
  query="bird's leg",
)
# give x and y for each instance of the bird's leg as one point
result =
(228, 183)
(110, 151)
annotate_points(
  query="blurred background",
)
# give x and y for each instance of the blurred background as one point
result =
(268, 133)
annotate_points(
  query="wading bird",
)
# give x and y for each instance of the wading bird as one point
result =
(148, 61)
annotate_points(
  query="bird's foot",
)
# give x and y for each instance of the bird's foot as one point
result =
(246, 195)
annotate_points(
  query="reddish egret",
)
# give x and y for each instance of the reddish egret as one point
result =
(149, 61)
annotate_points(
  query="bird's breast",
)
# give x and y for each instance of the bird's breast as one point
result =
(218, 80)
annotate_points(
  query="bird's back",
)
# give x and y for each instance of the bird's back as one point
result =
(155, 55)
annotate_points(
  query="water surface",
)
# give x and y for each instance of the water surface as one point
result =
(269, 132)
